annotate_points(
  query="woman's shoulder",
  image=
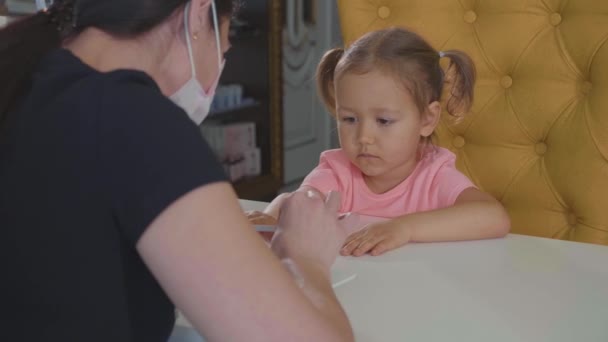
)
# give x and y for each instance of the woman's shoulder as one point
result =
(131, 98)
(137, 93)
(125, 106)
(70, 73)
(122, 92)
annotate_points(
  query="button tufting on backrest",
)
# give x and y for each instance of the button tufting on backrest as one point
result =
(384, 12)
(572, 219)
(540, 148)
(470, 17)
(506, 82)
(586, 87)
(555, 19)
(458, 142)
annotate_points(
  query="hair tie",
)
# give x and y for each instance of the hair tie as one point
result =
(62, 14)
(441, 54)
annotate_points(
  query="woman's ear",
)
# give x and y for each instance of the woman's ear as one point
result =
(198, 16)
(430, 119)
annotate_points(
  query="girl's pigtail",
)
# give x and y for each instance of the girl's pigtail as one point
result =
(325, 77)
(461, 77)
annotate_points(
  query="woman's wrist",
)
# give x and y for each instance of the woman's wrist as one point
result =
(291, 257)
(305, 270)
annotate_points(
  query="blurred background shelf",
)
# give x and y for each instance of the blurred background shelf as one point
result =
(263, 188)
(246, 111)
(255, 64)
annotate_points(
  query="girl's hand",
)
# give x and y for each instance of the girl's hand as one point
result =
(377, 238)
(258, 217)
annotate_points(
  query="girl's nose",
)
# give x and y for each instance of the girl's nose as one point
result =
(366, 135)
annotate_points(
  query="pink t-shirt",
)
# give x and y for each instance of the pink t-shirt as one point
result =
(435, 183)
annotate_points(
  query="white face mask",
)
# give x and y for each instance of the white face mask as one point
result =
(191, 96)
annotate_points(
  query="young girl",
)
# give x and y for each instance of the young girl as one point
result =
(384, 92)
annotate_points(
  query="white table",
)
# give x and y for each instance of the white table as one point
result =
(519, 288)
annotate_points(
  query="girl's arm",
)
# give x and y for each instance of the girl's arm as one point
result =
(274, 208)
(475, 215)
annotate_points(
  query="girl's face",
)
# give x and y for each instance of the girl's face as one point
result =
(379, 124)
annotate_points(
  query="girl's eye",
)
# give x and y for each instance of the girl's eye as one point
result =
(384, 122)
(348, 119)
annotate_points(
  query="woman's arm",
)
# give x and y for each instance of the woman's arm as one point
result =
(230, 285)
(475, 215)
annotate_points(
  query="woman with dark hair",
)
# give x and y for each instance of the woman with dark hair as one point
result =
(113, 209)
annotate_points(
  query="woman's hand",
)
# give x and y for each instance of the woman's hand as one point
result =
(197, 247)
(377, 238)
(308, 228)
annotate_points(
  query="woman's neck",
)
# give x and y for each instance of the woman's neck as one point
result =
(106, 53)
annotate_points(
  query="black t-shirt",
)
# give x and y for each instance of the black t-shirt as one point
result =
(87, 161)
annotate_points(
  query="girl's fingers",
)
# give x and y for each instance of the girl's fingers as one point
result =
(354, 240)
(382, 247)
(366, 245)
(349, 246)
(358, 235)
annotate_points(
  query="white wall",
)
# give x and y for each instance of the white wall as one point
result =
(308, 129)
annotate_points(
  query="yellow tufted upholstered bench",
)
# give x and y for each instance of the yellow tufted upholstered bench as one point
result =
(537, 135)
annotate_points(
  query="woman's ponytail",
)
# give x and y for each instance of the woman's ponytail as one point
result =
(23, 43)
